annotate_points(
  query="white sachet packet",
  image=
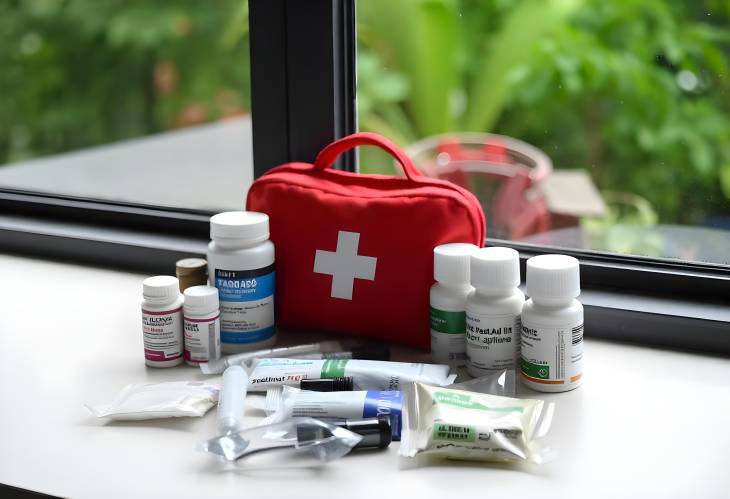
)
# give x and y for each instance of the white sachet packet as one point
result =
(160, 400)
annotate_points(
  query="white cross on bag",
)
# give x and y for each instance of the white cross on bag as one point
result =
(345, 265)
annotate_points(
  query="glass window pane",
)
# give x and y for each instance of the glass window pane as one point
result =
(592, 125)
(144, 101)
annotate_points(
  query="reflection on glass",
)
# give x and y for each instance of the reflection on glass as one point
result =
(627, 100)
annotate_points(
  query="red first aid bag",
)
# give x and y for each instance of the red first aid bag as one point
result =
(354, 253)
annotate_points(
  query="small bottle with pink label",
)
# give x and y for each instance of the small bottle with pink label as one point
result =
(162, 321)
(202, 325)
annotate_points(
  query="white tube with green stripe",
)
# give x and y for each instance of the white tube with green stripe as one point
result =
(366, 374)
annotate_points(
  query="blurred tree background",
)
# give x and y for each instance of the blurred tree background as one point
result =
(78, 73)
(633, 91)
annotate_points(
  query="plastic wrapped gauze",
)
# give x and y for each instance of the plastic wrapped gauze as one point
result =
(458, 424)
(502, 383)
(160, 400)
(295, 442)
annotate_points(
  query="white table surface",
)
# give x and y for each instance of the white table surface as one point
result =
(645, 423)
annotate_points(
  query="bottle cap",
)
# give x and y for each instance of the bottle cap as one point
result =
(251, 226)
(201, 299)
(495, 268)
(451, 263)
(342, 384)
(191, 272)
(188, 266)
(371, 352)
(160, 286)
(553, 277)
(376, 432)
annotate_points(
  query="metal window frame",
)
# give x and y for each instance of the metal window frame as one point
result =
(303, 79)
(296, 111)
(303, 97)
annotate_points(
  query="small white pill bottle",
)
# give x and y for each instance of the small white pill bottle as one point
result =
(552, 325)
(201, 325)
(493, 311)
(448, 302)
(162, 321)
(241, 266)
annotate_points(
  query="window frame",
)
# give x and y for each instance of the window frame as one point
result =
(303, 79)
(294, 116)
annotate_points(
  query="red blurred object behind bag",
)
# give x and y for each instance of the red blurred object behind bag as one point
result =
(354, 253)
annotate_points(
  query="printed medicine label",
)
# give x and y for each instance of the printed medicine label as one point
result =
(246, 304)
(162, 334)
(552, 355)
(367, 374)
(351, 405)
(447, 336)
(202, 339)
(493, 341)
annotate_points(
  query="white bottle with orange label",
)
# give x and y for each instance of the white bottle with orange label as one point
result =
(552, 325)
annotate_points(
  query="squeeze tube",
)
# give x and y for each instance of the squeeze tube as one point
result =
(288, 402)
(217, 366)
(366, 374)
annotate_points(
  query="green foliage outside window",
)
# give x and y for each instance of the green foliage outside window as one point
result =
(634, 91)
(78, 73)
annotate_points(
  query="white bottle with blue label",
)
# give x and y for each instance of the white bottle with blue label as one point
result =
(241, 266)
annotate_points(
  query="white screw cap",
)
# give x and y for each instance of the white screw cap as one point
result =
(251, 226)
(553, 277)
(201, 299)
(451, 263)
(160, 286)
(495, 268)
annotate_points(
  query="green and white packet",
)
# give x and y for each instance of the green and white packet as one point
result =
(366, 374)
(459, 424)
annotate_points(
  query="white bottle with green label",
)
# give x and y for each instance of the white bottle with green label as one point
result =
(493, 311)
(448, 302)
(552, 325)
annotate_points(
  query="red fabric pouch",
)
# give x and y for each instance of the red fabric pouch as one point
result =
(354, 253)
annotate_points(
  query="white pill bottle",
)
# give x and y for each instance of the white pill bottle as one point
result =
(493, 311)
(201, 325)
(241, 266)
(448, 302)
(162, 321)
(552, 325)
